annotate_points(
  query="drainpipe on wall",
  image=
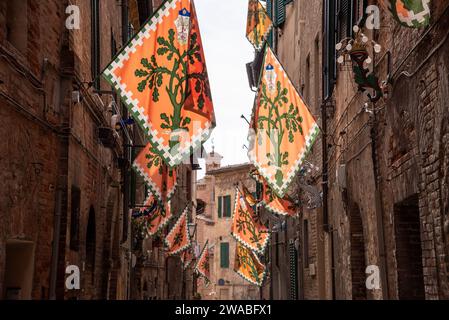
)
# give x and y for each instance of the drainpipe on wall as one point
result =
(325, 182)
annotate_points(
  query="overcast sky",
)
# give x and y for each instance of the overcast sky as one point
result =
(223, 27)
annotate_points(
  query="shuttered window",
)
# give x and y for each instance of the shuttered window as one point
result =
(227, 207)
(329, 65)
(95, 45)
(220, 207)
(344, 18)
(279, 18)
(270, 14)
(224, 255)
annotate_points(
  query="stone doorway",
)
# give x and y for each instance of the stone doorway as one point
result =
(408, 250)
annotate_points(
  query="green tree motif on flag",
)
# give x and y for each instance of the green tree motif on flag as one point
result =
(279, 125)
(179, 77)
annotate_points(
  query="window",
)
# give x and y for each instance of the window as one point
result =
(329, 65)
(279, 13)
(305, 233)
(359, 7)
(224, 207)
(344, 17)
(16, 24)
(95, 42)
(75, 218)
(224, 255)
(91, 243)
(307, 90)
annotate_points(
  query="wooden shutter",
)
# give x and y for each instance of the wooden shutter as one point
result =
(224, 255)
(279, 12)
(329, 65)
(220, 207)
(227, 206)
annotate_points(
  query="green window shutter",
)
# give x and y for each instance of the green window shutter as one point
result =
(287, 1)
(279, 13)
(220, 206)
(270, 14)
(224, 255)
(227, 205)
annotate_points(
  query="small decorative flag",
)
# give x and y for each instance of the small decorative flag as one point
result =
(160, 179)
(178, 238)
(246, 226)
(284, 128)
(203, 266)
(248, 265)
(410, 13)
(149, 206)
(162, 78)
(281, 206)
(259, 24)
(159, 219)
(187, 258)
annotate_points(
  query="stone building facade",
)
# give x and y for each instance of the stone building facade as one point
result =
(216, 192)
(66, 192)
(383, 166)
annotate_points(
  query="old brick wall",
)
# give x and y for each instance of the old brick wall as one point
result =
(412, 149)
(30, 146)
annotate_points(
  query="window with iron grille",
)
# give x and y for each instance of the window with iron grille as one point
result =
(293, 256)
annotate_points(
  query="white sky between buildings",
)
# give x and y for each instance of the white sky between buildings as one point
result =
(223, 28)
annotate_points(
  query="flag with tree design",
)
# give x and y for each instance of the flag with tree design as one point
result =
(258, 25)
(162, 78)
(283, 129)
(409, 13)
(246, 226)
(160, 179)
(203, 265)
(178, 239)
(248, 265)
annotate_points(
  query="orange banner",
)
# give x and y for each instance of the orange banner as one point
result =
(258, 25)
(178, 238)
(187, 258)
(248, 265)
(160, 179)
(203, 265)
(246, 227)
(162, 78)
(281, 206)
(159, 219)
(283, 128)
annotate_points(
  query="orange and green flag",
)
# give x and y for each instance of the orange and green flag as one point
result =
(178, 240)
(246, 226)
(203, 265)
(258, 25)
(281, 206)
(248, 265)
(283, 129)
(187, 258)
(162, 78)
(160, 179)
(410, 13)
(159, 219)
